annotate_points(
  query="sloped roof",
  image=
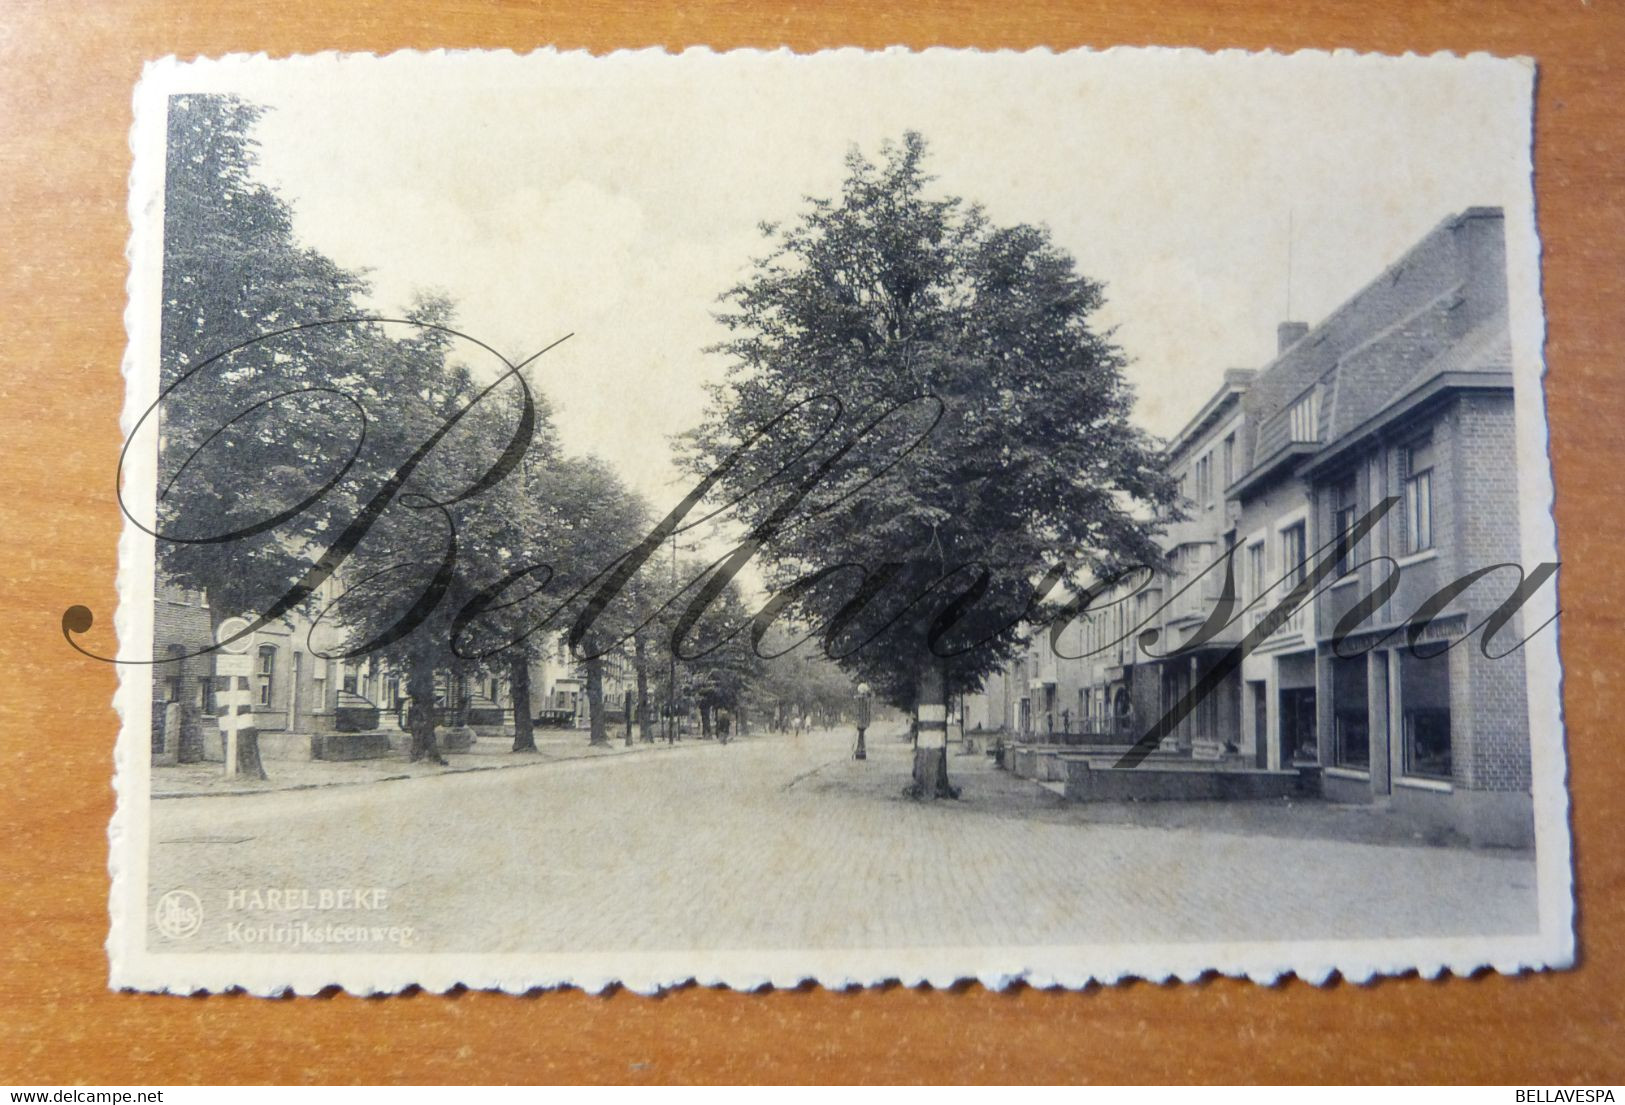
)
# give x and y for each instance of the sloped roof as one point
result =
(1438, 311)
(1482, 357)
(1486, 349)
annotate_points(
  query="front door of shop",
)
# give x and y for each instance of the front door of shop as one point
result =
(1298, 740)
(1261, 723)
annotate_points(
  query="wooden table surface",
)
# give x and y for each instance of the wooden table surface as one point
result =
(66, 74)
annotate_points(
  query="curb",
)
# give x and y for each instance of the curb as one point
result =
(243, 792)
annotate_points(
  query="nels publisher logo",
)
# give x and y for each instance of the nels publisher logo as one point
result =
(179, 914)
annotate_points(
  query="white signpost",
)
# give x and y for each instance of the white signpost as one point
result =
(233, 663)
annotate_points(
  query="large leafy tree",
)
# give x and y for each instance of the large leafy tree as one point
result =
(990, 462)
(575, 522)
(515, 529)
(793, 682)
(593, 519)
(256, 415)
(717, 657)
(460, 520)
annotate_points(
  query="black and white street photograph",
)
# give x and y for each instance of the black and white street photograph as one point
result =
(862, 516)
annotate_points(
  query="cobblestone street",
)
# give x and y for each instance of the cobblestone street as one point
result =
(786, 842)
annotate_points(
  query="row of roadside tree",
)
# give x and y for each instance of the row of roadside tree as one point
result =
(301, 440)
(922, 448)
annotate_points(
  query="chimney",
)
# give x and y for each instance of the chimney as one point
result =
(1484, 261)
(1289, 334)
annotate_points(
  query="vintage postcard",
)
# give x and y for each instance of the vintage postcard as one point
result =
(749, 518)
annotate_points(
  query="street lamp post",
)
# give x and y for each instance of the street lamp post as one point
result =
(672, 650)
(862, 753)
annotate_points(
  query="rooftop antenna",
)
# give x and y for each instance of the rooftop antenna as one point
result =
(1289, 264)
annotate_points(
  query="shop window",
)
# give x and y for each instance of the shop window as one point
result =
(1424, 696)
(1351, 724)
(1427, 743)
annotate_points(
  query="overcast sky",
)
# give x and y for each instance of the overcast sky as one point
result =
(618, 199)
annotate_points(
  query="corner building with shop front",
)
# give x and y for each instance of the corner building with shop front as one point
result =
(1421, 413)
(1403, 395)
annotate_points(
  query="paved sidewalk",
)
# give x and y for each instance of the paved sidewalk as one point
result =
(197, 780)
(1296, 818)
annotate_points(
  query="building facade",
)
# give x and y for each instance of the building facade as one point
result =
(306, 705)
(1396, 410)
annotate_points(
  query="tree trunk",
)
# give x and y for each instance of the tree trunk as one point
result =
(524, 733)
(646, 732)
(705, 722)
(931, 743)
(248, 739)
(595, 701)
(248, 754)
(188, 737)
(420, 717)
(459, 684)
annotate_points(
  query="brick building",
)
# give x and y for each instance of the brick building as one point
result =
(1421, 413)
(1402, 395)
(302, 705)
(305, 705)
(183, 689)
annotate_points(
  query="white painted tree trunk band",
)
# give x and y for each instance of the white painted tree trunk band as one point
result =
(931, 719)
